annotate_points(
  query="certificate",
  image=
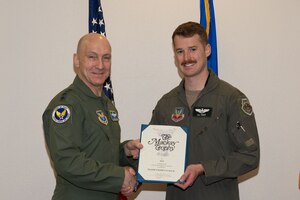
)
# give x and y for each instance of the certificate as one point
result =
(163, 157)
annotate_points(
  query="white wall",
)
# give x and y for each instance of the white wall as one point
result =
(258, 48)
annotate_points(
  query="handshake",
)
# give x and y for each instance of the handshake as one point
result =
(130, 184)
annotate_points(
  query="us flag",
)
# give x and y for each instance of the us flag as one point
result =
(97, 25)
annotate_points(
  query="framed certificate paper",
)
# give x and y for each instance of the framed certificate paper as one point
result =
(163, 157)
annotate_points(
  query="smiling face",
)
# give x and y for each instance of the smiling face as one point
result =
(93, 61)
(191, 55)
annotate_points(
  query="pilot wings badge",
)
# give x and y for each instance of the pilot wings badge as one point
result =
(202, 112)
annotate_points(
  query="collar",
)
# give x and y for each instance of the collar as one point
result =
(85, 89)
(210, 84)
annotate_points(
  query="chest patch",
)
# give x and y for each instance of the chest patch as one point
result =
(202, 112)
(101, 117)
(178, 114)
(114, 115)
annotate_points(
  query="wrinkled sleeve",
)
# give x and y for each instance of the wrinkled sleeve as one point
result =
(157, 118)
(125, 160)
(70, 162)
(244, 142)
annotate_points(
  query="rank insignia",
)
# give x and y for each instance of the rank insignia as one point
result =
(101, 117)
(246, 107)
(178, 114)
(114, 115)
(61, 114)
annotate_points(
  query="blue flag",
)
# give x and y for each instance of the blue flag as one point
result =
(207, 20)
(97, 25)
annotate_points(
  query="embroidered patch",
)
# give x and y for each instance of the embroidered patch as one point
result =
(61, 114)
(202, 112)
(114, 115)
(101, 117)
(246, 107)
(178, 114)
(249, 142)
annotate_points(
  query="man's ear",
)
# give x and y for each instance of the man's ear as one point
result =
(75, 60)
(175, 61)
(75, 63)
(207, 50)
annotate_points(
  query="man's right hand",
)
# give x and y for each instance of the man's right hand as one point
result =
(129, 181)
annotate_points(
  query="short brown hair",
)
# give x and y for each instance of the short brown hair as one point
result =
(190, 29)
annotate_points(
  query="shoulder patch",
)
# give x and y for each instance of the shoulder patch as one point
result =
(246, 107)
(61, 114)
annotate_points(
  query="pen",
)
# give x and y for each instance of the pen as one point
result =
(239, 126)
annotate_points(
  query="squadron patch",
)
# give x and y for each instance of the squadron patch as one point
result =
(101, 117)
(246, 107)
(61, 114)
(114, 115)
(178, 114)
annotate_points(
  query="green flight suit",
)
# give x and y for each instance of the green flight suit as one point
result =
(222, 137)
(82, 133)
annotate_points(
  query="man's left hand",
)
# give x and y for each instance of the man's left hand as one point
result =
(190, 175)
(132, 148)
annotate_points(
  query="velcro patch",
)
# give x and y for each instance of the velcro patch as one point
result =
(202, 112)
(246, 107)
(114, 115)
(61, 114)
